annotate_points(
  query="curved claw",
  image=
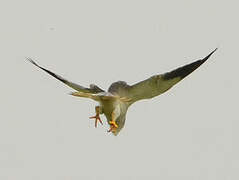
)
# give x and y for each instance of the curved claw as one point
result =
(97, 118)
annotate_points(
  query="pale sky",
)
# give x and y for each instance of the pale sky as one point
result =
(190, 132)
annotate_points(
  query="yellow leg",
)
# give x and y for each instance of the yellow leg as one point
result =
(97, 116)
(113, 125)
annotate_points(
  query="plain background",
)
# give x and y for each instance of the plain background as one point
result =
(190, 132)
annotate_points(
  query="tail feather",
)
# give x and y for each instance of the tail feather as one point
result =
(85, 95)
(98, 97)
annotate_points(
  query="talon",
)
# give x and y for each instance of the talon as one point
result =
(113, 126)
(97, 118)
(113, 123)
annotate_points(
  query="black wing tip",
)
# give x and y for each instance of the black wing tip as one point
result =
(184, 71)
(46, 70)
(204, 59)
(31, 61)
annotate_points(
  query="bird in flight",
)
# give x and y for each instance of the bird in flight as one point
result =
(115, 102)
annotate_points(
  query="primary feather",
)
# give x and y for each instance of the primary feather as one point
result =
(93, 88)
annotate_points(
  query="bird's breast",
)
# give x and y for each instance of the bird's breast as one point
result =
(108, 107)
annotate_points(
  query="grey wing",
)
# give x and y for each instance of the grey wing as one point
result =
(159, 84)
(93, 88)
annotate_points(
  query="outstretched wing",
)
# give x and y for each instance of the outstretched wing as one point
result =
(159, 84)
(93, 88)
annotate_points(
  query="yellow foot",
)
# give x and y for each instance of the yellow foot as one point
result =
(113, 126)
(97, 118)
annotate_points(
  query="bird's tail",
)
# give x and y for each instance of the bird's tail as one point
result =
(99, 97)
(85, 95)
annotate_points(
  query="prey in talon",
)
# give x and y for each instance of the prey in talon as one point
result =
(115, 102)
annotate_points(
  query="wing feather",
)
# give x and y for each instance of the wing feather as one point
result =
(92, 89)
(159, 84)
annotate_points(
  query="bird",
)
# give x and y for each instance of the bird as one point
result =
(115, 102)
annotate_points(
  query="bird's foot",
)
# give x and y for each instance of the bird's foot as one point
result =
(97, 117)
(113, 126)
